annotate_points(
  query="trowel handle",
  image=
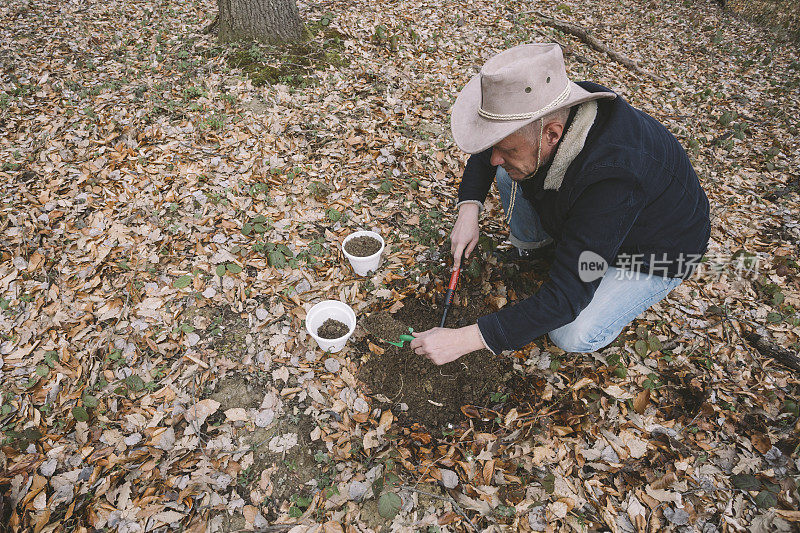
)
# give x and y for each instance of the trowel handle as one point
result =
(448, 296)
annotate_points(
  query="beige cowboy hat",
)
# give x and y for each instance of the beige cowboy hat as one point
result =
(513, 89)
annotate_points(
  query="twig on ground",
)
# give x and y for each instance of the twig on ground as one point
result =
(268, 529)
(457, 508)
(568, 50)
(594, 42)
(196, 360)
(769, 348)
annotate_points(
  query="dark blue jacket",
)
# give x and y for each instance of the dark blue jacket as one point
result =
(630, 192)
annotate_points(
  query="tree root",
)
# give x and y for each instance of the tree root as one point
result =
(212, 26)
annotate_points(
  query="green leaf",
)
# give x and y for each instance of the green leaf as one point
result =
(32, 434)
(641, 332)
(654, 343)
(295, 512)
(640, 347)
(745, 482)
(247, 228)
(233, 268)
(42, 370)
(774, 317)
(505, 510)
(301, 501)
(260, 228)
(391, 480)
(621, 372)
(80, 414)
(474, 269)
(386, 186)
(182, 281)
(549, 483)
(259, 219)
(89, 401)
(333, 214)
(51, 358)
(487, 243)
(613, 359)
(221, 269)
(282, 248)
(766, 499)
(377, 486)
(134, 382)
(276, 259)
(321, 457)
(389, 505)
(187, 328)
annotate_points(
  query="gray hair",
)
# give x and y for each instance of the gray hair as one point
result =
(531, 131)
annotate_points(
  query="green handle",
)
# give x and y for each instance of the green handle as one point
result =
(406, 338)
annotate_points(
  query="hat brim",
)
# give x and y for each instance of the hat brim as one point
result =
(474, 133)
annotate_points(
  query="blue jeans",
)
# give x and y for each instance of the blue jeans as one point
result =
(618, 299)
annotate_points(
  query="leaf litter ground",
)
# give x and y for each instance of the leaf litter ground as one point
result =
(167, 220)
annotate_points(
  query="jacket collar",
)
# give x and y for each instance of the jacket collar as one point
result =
(571, 145)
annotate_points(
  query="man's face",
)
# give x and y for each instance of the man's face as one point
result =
(516, 154)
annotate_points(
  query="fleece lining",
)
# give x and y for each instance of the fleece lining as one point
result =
(571, 145)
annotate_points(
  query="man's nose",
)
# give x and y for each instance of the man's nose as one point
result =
(496, 159)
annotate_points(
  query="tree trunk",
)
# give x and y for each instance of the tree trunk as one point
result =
(261, 20)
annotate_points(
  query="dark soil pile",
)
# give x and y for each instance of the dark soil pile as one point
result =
(363, 246)
(434, 394)
(332, 329)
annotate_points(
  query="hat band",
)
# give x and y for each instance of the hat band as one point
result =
(560, 99)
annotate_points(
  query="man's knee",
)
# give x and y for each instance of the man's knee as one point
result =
(579, 339)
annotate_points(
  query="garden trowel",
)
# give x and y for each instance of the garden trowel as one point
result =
(448, 297)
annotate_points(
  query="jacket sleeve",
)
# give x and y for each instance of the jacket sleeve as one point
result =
(478, 177)
(598, 221)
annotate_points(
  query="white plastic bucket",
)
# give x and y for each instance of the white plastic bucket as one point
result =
(336, 310)
(364, 265)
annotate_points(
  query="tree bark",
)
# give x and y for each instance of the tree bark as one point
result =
(261, 20)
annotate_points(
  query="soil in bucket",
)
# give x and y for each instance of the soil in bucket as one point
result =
(332, 329)
(362, 246)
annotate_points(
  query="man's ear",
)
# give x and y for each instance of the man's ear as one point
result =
(552, 133)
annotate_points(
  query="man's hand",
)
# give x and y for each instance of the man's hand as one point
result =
(465, 233)
(442, 345)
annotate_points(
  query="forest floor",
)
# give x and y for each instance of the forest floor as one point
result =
(170, 208)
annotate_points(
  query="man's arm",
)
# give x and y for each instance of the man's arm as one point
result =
(599, 222)
(478, 177)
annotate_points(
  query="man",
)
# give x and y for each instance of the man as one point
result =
(578, 167)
